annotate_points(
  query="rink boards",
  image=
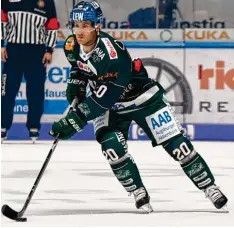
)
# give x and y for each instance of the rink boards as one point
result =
(198, 77)
(201, 132)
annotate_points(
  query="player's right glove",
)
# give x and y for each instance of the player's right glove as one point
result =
(75, 88)
(68, 126)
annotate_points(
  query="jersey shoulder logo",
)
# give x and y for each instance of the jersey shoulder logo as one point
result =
(70, 44)
(110, 48)
(41, 4)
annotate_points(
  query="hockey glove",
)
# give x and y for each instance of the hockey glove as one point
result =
(75, 88)
(68, 126)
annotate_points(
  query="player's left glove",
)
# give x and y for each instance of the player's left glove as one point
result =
(68, 126)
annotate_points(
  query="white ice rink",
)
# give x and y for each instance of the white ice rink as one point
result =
(79, 189)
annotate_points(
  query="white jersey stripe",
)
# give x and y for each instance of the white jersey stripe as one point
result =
(23, 29)
(19, 27)
(28, 29)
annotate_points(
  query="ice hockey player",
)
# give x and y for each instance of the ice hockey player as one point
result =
(122, 92)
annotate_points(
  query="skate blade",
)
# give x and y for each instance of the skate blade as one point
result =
(34, 139)
(147, 208)
(225, 209)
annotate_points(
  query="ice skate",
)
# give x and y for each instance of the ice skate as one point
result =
(3, 134)
(216, 197)
(34, 134)
(142, 199)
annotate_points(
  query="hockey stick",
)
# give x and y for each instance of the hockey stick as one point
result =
(17, 216)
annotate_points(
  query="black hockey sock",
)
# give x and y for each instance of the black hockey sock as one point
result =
(198, 172)
(127, 173)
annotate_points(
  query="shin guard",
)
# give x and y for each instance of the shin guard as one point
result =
(194, 166)
(114, 148)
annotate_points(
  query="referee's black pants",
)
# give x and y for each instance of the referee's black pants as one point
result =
(23, 59)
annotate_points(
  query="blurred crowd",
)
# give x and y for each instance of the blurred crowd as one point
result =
(159, 13)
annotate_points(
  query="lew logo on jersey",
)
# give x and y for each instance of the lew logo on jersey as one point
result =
(83, 66)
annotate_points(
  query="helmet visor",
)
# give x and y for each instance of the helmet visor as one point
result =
(83, 27)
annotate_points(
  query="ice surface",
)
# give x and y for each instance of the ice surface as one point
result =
(79, 189)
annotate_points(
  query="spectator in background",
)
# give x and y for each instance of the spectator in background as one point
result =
(152, 17)
(29, 28)
(166, 8)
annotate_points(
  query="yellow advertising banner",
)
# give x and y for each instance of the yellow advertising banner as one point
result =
(129, 35)
(166, 35)
(209, 35)
(151, 35)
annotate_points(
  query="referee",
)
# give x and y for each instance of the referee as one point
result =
(29, 32)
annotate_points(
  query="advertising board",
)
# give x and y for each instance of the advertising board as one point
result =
(209, 35)
(138, 35)
(199, 85)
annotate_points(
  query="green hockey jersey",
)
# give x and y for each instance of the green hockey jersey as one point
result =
(109, 71)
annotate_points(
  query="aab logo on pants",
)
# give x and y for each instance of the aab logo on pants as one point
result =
(161, 119)
(162, 125)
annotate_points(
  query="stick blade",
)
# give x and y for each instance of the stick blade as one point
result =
(9, 212)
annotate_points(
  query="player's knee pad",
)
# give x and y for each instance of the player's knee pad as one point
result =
(181, 149)
(194, 166)
(115, 149)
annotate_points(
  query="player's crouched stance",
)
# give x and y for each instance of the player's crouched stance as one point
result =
(123, 92)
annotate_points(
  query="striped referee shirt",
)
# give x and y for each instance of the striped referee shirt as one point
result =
(29, 22)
